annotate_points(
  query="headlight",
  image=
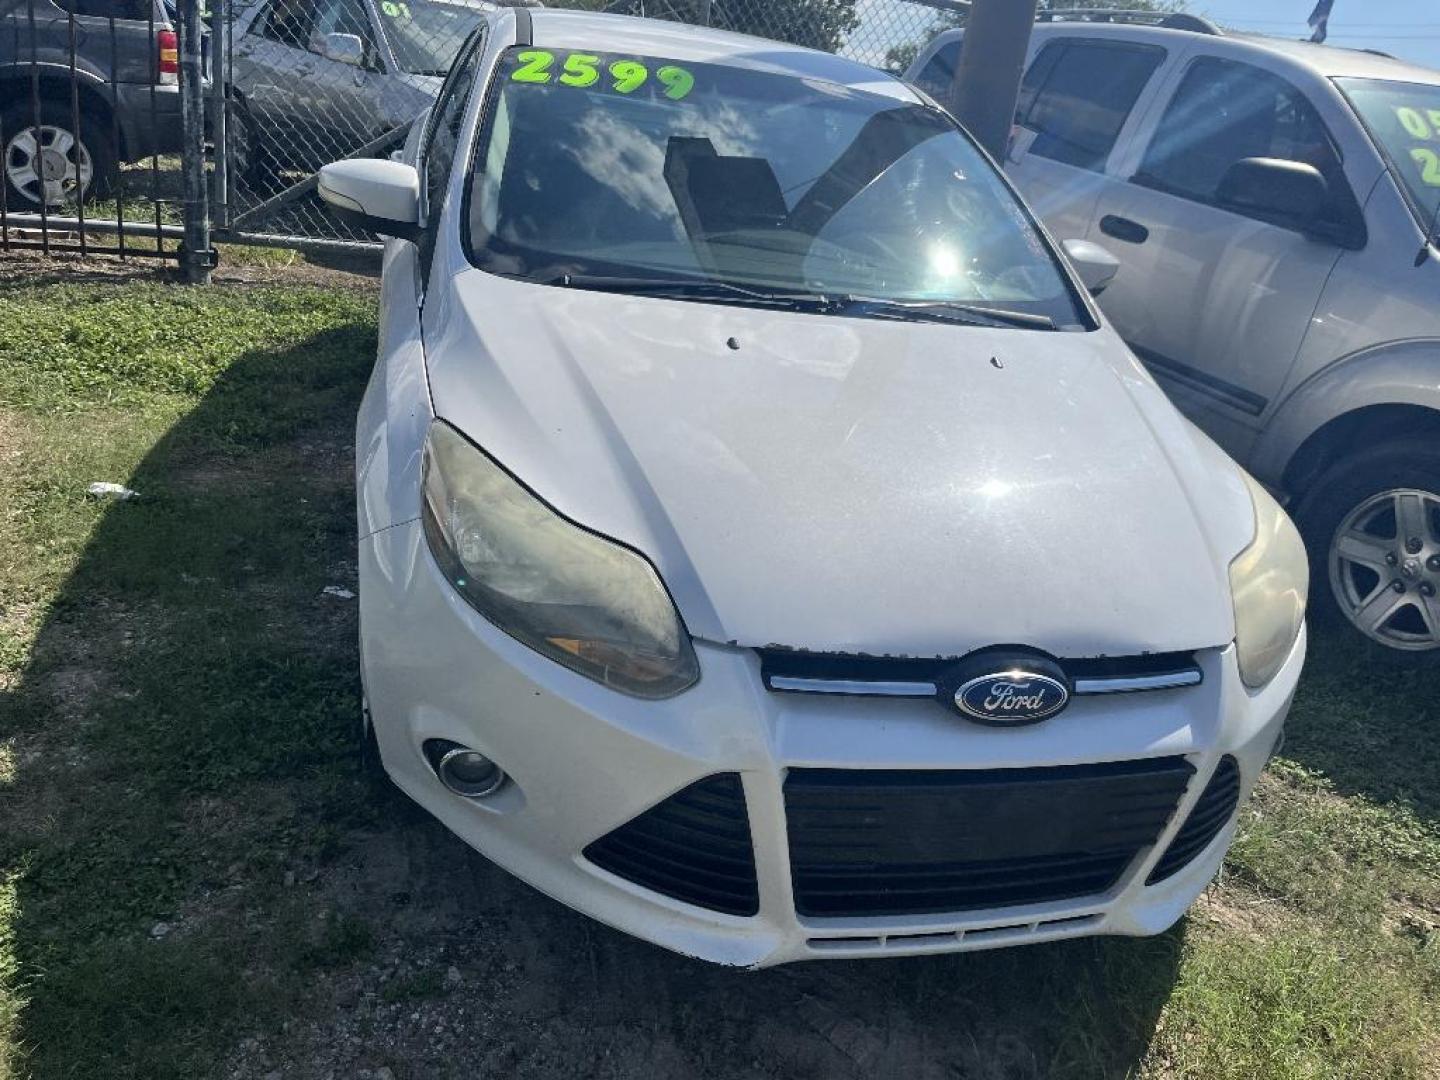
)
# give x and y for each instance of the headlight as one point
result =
(1269, 581)
(590, 604)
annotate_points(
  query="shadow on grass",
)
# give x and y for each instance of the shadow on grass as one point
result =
(188, 679)
(1369, 720)
(186, 732)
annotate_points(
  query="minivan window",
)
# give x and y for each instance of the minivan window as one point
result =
(641, 167)
(937, 77)
(289, 22)
(1226, 111)
(1078, 94)
(1404, 119)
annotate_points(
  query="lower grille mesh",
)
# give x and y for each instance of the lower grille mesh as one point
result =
(899, 842)
(1212, 810)
(695, 846)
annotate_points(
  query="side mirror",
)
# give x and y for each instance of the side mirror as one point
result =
(1273, 188)
(1096, 266)
(377, 195)
(343, 49)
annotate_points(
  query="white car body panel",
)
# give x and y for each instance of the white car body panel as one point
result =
(585, 759)
(831, 484)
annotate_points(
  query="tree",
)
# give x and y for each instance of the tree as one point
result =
(817, 24)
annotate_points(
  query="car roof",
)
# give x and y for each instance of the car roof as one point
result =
(1325, 61)
(1333, 61)
(552, 27)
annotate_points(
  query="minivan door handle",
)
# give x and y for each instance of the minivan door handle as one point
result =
(1121, 228)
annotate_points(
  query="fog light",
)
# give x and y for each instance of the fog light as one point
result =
(464, 771)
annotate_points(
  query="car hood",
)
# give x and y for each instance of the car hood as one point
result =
(855, 485)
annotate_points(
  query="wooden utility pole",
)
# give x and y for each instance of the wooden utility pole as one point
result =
(992, 61)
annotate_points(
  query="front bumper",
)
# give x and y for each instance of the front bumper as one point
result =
(584, 760)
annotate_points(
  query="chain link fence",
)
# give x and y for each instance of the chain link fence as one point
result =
(90, 118)
(312, 81)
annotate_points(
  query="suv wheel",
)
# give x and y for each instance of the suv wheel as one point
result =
(247, 160)
(1372, 524)
(62, 165)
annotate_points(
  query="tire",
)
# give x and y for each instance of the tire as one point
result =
(1368, 574)
(248, 161)
(91, 152)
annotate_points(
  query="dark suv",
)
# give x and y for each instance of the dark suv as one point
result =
(126, 66)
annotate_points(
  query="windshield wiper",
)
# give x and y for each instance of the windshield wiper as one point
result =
(692, 288)
(820, 303)
(940, 311)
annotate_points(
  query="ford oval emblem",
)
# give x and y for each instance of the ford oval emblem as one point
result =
(1013, 696)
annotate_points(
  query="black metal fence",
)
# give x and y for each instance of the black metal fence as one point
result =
(104, 154)
(89, 127)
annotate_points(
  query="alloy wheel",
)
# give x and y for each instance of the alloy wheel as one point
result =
(59, 164)
(1384, 564)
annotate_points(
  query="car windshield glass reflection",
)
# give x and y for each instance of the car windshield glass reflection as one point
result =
(639, 169)
(1404, 118)
(426, 36)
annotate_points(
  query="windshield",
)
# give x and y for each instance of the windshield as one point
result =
(644, 169)
(1404, 119)
(426, 36)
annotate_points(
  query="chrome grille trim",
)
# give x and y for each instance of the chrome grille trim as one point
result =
(1170, 680)
(851, 686)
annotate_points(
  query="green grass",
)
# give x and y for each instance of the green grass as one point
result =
(178, 705)
(155, 644)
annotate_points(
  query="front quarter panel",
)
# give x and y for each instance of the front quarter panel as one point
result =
(395, 412)
(1404, 373)
(1374, 338)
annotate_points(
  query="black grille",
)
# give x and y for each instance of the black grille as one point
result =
(898, 842)
(694, 846)
(1212, 810)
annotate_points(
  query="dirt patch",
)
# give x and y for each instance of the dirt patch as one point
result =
(30, 269)
(1419, 922)
(1241, 912)
(326, 467)
(338, 271)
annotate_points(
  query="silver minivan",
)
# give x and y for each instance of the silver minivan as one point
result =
(1271, 203)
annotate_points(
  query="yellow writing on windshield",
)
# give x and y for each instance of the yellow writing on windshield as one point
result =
(1422, 124)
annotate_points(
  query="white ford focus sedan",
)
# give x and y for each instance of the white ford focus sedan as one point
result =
(766, 547)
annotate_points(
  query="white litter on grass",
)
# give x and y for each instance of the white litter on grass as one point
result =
(337, 592)
(102, 490)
